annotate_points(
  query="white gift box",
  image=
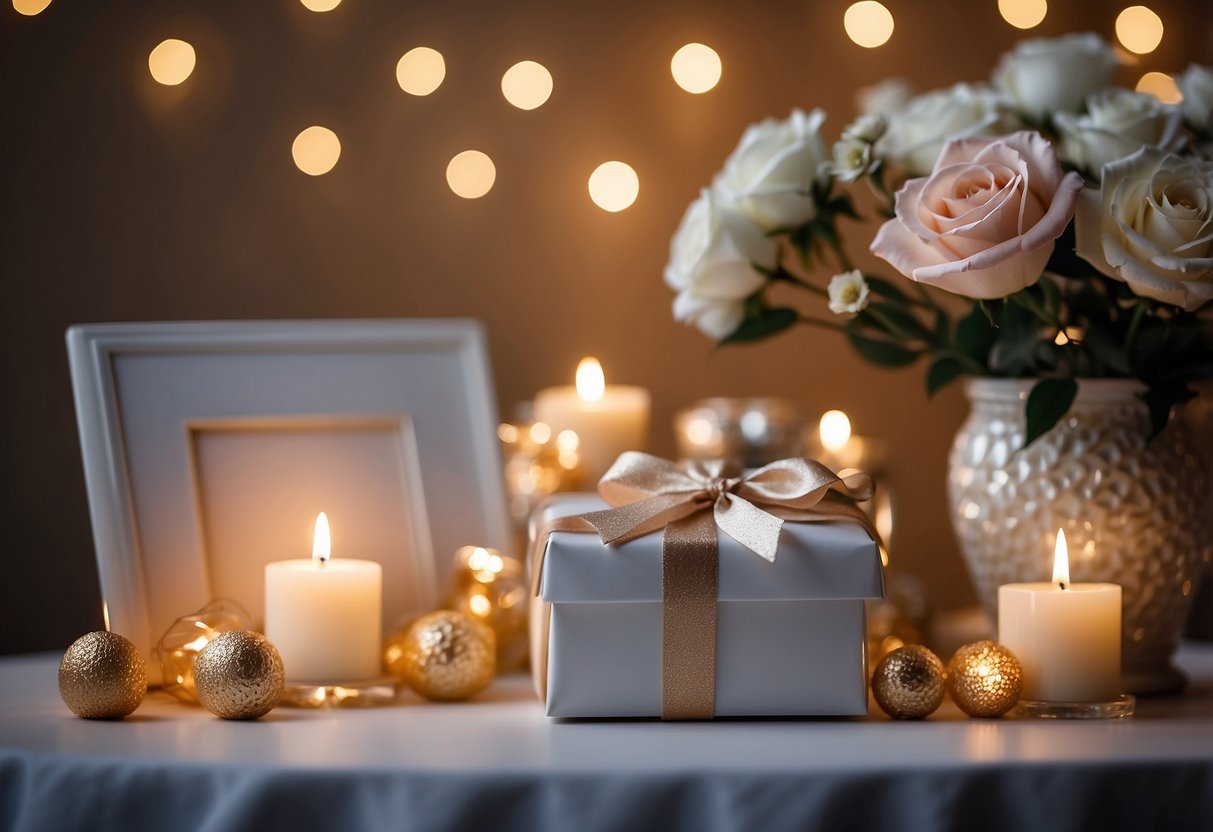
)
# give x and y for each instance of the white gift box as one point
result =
(790, 640)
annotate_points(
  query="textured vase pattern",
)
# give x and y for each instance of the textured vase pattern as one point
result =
(1134, 512)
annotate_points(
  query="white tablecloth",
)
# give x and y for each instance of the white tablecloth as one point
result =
(498, 763)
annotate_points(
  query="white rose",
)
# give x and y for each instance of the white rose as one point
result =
(770, 174)
(712, 265)
(884, 98)
(1196, 86)
(1116, 124)
(1151, 225)
(918, 132)
(867, 128)
(848, 292)
(1055, 74)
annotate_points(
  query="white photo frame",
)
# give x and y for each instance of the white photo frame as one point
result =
(209, 447)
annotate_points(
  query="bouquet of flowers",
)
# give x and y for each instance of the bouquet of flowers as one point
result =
(1071, 222)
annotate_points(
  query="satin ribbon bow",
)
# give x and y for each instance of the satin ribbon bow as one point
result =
(690, 501)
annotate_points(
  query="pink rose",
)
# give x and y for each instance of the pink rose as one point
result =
(983, 224)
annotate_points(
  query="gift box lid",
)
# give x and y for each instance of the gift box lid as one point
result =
(820, 560)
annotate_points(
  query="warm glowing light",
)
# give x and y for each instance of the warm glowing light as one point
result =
(1071, 334)
(321, 540)
(1061, 560)
(479, 605)
(868, 23)
(420, 71)
(478, 558)
(700, 431)
(591, 381)
(1139, 29)
(526, 85)
(614, 186)
(105, 615)
(29, 8)
(320, 5)
(171, 62)
(316, 150)
(541, 432)
(1023, 14)
(495, 563)
(834, 430)
(1162, 86)
(471, 174)
(696, 68)
(507, 433)
(568, 440)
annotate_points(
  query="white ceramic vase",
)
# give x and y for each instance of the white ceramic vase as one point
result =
(1135, 512)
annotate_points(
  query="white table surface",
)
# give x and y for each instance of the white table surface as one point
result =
(421, 765)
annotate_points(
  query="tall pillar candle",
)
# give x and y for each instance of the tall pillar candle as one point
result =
(608, 419)
(324, 615)
(1065, 635)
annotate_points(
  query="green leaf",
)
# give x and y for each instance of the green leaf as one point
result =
(885, 289)
(879, 351)
(992, 309)
(1160, 398)
(1050, 295)
(896, 320)
(975, 334)
(763, 324)
(1049, 400)
(942, 372)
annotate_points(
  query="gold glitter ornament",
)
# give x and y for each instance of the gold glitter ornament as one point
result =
(447, 655)
(984, 679)
(909, 682)
(239, 675)
(102, 676)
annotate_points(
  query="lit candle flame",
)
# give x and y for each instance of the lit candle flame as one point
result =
(835, 430)
(1061, 560)
(105, 614)
(321, 540)
(591, 383)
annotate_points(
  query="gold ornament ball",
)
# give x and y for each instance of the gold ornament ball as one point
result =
(102, 676)
(447, 656)
(984, 679)
(909, 682)
(239, 675)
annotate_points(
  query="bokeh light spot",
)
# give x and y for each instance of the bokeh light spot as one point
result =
(868, 23)
(471, 174)
(526, 85)
(29, 8)
(1162, 86)
(316, 150)
(1139, 29)
(1023, 14)
(614, 186)
(696, 68)
(171, 62)
(420, 71)
(320, 5)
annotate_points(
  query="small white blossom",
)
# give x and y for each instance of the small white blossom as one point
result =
(848, 292)
(852, 159)
(867, 128)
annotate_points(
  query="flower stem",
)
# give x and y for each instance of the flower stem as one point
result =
(1139, 312)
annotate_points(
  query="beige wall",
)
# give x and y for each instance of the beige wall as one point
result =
(123, 200)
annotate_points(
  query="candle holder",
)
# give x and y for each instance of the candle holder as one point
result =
(1122, 706)
(364, 694)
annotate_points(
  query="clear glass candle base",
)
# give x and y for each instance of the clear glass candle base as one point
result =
(367, 694)
(1118, 708)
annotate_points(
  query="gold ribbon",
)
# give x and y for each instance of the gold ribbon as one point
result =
(690, 501)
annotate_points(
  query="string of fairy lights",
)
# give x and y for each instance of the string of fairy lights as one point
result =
(695, 67)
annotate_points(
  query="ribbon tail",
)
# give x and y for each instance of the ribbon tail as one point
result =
(689, 576)
(752, 527)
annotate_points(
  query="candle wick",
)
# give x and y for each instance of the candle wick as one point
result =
(1062, 584)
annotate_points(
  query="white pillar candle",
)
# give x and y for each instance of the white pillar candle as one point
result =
(324, 615)
(608, 419)
(1066, 636)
